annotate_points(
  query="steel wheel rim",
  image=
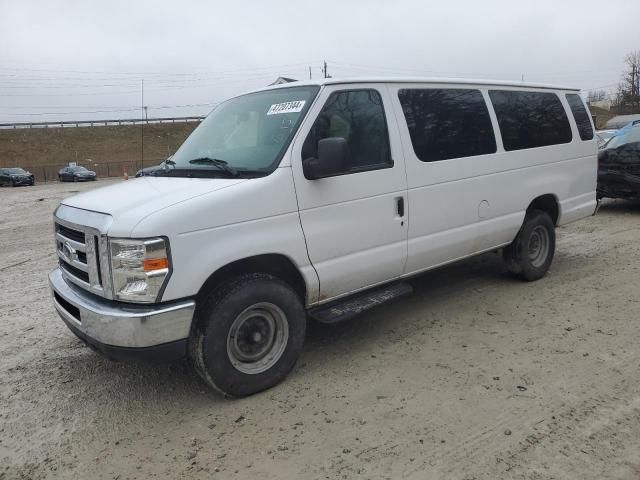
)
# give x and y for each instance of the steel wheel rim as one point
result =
(538, 246)
(257, 338)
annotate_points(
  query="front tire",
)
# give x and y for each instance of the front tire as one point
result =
(530, 255)
(249, 334)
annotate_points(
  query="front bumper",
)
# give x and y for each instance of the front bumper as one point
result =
(123, 331)
(22, 180)
(619, 183)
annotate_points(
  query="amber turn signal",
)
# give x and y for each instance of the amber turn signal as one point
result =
(151, 264)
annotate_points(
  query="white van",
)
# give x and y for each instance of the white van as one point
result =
(317, 199)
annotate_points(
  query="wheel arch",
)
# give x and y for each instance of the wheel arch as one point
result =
(275, 264)
(547, 203)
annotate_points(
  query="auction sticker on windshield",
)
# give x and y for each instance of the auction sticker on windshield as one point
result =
(286, 107)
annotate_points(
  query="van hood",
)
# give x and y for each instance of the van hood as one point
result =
(130, 201)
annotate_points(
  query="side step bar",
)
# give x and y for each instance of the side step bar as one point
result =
(347, 308)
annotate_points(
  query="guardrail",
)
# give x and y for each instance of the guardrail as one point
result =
(101, 123)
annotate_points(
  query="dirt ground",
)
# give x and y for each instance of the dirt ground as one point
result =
(474, 376)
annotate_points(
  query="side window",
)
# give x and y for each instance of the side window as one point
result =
(581, 116)
(530, 119)
(447, 123)
(358, 117)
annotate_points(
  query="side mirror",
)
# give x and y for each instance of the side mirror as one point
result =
(332, 159)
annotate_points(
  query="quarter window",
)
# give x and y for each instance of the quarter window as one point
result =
(530, 119)
(581, 116)
(358, 117)
(447, 123)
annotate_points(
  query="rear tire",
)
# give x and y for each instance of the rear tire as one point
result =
(530, 255)
(248, 335)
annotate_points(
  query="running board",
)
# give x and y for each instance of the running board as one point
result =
(342, 310)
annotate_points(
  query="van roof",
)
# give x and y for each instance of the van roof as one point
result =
(428, 80)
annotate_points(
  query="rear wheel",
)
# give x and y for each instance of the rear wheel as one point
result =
(249, 334)
(530, 255)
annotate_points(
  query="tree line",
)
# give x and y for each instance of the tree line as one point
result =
(626, 99)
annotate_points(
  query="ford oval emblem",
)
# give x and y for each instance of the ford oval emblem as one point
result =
(68, 251)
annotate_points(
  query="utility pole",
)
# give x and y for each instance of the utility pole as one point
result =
(310, 72)
(142, 124)
(324, 69)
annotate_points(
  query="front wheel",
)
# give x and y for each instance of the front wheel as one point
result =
(249, 334)
(530, 255)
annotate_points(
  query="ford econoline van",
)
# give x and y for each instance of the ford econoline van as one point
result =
(317, 200)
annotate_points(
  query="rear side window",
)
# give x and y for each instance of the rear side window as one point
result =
(358, 117)
(530, 119)
(447, 123)
(581, 116)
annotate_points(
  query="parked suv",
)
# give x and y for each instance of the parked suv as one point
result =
(16, 176)
(76, 174)
(317, 199)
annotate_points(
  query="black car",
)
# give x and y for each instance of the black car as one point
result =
(619, 166)
(154, 168)
(76, 174)
(16, 176)
(149, 170)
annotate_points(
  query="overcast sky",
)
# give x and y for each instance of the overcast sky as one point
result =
(67, 60)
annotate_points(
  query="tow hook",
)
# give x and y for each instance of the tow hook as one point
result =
(598, 203)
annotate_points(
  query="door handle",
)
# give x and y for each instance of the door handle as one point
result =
(400, 206)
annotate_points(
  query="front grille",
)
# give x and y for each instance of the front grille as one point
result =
(78, 249)
(71, 234)
(76, 272)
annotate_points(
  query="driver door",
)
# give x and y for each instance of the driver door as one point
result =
(354, 220)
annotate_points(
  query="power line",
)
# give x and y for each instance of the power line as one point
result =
(116, 110)
(160, 74)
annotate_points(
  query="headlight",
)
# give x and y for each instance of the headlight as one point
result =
(140, 268)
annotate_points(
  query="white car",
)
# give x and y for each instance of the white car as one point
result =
(317, 199)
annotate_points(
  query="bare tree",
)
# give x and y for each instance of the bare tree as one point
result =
(628, 96)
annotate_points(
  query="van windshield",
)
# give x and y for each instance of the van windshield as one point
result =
(244, 136)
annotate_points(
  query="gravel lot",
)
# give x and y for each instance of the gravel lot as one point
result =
(474, 376)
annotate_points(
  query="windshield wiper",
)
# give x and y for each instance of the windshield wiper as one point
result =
(221, 164)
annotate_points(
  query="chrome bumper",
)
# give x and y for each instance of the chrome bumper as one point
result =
(118, 324)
